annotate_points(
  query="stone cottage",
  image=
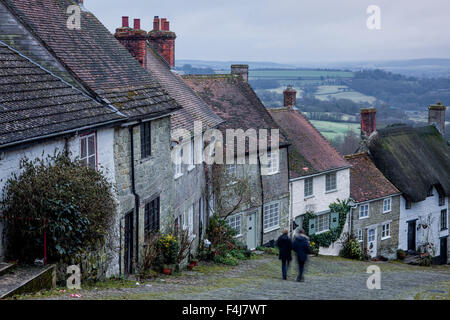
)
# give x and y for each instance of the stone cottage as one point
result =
(93, 61)
(318, 174)
(155, 52)
(374, 219)
(41, 113)
(264, 211)
(417, 162)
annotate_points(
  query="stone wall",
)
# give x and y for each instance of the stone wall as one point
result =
(385, 247)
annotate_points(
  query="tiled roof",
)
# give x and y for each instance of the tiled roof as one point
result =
(193, 107)
(95, 57)
(233, 99)
(310, 152)
(413, 159)
(34, 103)
(366, 181)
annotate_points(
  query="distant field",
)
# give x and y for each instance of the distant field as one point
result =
(296, 74)
(332, 129)
(337, 92)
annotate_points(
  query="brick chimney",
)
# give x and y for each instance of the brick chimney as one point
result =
(163, 40)
(290, 97)
(436, 116)
(241, 69)
(368, 122)
(134, 40)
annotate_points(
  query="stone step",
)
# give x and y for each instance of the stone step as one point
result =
(411, 259)
(6, 267)
(27, 279)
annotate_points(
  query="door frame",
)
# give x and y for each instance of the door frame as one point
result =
(414, 224)
(443, 257)
(128, 243)
(254, 227)
(375, 241)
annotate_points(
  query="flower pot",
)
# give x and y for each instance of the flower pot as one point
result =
(194, 263)
(190, 267)
(166, 270)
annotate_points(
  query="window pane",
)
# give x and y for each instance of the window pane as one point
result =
(83, 148)
(92, 161)
(91, 145)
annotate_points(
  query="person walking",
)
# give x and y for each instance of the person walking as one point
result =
(284, 243)
(302, 248)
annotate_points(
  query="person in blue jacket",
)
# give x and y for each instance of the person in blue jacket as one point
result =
(302, 248)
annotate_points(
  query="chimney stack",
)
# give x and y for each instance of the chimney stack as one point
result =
(134, 40)
(436, 116)
(125, 22)
(163, 40)
(290, 98)
(368, 122)
(156, 23)
(240, 69)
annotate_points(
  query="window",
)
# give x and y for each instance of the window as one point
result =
(231, 170)
(235, 222)
(364, 211)
(178, 165)
(272, 163)
(330, 181)
(308, 187)
(146, 144)
(407, 204)
(151, 217)
(323, 222)
(371, 235)
(430, 192)
(387, 205)
(271, 216)
(441, 198)
(188, 220)
(444, 223)
(360, 235)
(191, 161)
(386, 231)
(88, 150)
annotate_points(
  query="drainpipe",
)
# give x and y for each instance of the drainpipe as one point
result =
(136, 196)
(262, 201)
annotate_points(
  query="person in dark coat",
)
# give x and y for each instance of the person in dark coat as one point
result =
(284, 243)
(302, 248)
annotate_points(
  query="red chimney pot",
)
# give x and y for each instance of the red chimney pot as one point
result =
(368, 121)
(125, 23)
(156, 23)
(137, 24)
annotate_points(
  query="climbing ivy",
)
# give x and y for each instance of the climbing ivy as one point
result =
(325, 239)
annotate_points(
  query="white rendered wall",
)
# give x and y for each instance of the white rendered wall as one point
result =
(421, 210)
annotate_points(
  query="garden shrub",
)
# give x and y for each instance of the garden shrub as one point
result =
(351, 249)
(76, 203)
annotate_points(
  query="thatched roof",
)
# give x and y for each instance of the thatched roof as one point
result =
(413, 159)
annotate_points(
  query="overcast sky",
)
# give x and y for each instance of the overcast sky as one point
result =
(292, 31)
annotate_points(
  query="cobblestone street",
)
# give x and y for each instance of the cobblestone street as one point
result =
(260, 278)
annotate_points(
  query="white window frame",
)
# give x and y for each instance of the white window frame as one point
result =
(309, 195)
(368, 210)
(318, 223)
(178, 167)
(331, 174)
(233, 223)
(275, 221)
(88, 155)
(443, 227)
(273, 163)
(360, 235)
(385, 231)
(390, 205)
(191, 160)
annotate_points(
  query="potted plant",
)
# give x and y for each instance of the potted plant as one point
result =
(194, 262)
(190, 266)
(401, 254)
(169, 246)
